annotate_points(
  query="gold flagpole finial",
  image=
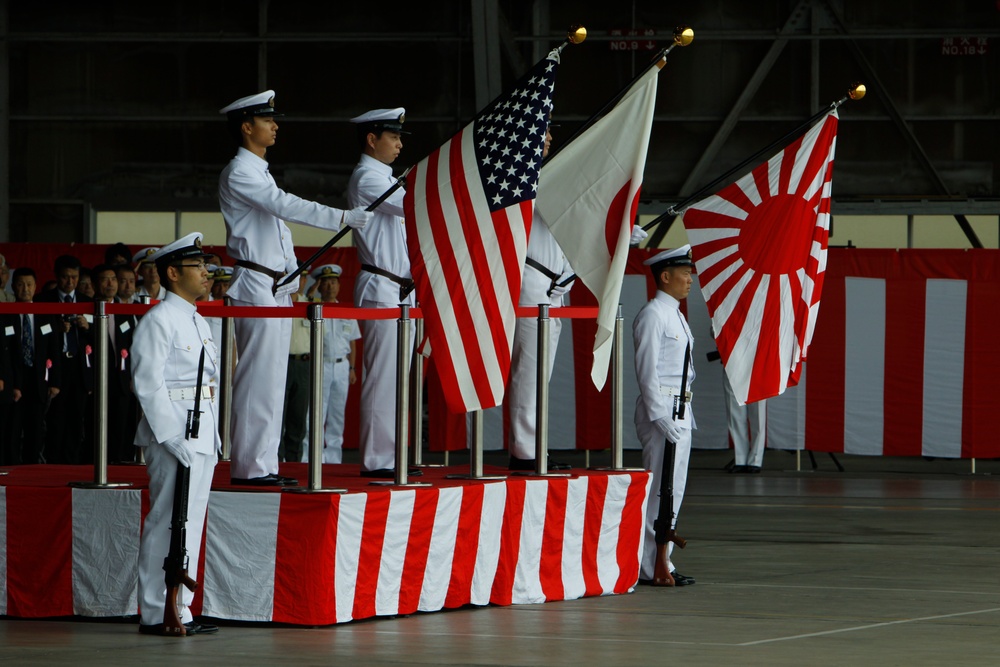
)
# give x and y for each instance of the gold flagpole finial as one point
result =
(683, 35)
(576, 35)
(857, 91)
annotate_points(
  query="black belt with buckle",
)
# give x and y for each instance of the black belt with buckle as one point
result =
(405, 284)
(260, 268)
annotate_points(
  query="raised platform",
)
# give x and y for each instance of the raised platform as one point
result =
(318, 559)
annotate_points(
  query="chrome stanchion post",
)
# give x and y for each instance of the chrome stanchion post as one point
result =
(316, 407)
(542, 398)
(542, 393)
(417, 391)
(100, 403)
(476, 452)
(145, 300)
(616, 394)
(402, 399)
(417, 395)
(617, 397)
(226, 391)
(402, 394)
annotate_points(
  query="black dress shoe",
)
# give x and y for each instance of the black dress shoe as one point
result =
(389, 473)
(681, 580)
(195, 628)
(266, 480)
(529, 464)
(736, 470)
(752, 470)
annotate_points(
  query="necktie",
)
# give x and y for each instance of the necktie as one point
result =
(27, 342)
(71, 342)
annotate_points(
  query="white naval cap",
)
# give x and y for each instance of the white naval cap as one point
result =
(261, 104)
(144, 255)
(326, 271)
(187, 247)
(222, 274)
(378, 120)
(676, 257)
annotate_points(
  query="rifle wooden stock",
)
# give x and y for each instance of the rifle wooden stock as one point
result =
(176, 563)
(663, 526)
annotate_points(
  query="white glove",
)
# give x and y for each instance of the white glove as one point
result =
(179, 448)
(558, 291)
(669, 428)
(357, 217)
(638, 235)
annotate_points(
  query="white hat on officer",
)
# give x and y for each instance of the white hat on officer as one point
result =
(222, 274)
(185, 248)
(326, 271)
(144, 255)
(378, 120)
(668, 258)
(261, 104)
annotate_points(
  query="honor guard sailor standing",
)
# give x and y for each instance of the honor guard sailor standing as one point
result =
(174, 359)
(546, 279)
(255, 210)
(384, 282)
(664, 370)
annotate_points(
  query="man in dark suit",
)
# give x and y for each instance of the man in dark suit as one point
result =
(33, 346)
(122, 411)
(67, 438)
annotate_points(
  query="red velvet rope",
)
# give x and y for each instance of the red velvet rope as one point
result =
(298, 310)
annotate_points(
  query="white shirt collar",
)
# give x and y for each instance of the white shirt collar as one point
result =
(667, 300)
(244, 155)
(368, 162)
(179, 303)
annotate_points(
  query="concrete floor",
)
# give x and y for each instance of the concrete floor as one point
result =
(891, 562)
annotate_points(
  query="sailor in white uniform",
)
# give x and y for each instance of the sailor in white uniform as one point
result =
(384, 282)
(146, 269)
(663, 342)
(166, 350)
(255, 210)
(339, 374)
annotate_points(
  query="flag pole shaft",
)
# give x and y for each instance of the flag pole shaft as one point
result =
(400, 182)
(659, 61)
(676, 209)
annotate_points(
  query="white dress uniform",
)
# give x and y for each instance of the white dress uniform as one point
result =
(254, 208)
(165, 353)
(748, 445)
(160, 295)
(337, 337)
(523, 379)
(661, 335)
(382, 244)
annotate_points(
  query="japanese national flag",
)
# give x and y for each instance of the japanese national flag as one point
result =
(588, 194)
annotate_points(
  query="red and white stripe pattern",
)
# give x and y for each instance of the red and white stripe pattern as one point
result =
(904, 361)
(760, 247)
(323, 559)
(468, 212)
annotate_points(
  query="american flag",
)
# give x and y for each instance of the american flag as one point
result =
(468, 213)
